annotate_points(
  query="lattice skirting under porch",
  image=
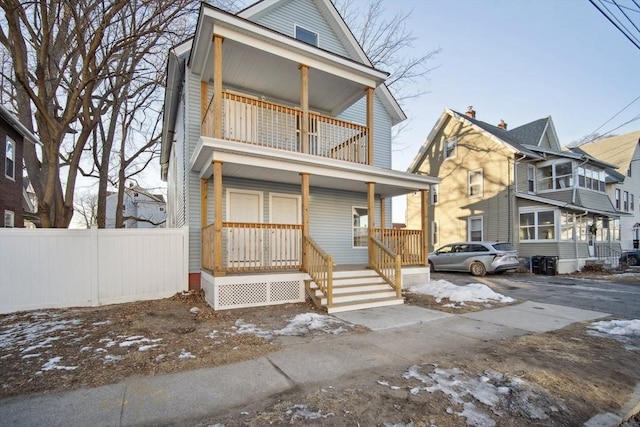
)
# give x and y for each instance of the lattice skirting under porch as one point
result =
(228, 292)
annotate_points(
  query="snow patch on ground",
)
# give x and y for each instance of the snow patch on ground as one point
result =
(304, 413)
(624, 331)
(501, 394)
(473, 292)
(301, 324)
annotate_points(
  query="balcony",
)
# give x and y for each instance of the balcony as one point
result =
(265, 124)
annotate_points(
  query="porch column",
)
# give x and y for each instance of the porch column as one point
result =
(217, 86)
(423, 220)
(383, 213)
(371, 197)
(369, 91)
(218, 269)
(204, 183)
(304, 177)
(304, 105)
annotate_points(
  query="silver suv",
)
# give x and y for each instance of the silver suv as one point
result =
(478, 258)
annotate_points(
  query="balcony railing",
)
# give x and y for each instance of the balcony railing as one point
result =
(406, 243)
(265, 124)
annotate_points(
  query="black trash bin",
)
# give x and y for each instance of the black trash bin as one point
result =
(536, 264)
(551, 265)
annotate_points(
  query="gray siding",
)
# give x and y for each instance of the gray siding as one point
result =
(594, 200)
(305, 14)
(543, 248)
(192, 133)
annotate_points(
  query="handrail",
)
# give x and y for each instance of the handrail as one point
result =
(387, 264)
(320, 268)
(406, 242)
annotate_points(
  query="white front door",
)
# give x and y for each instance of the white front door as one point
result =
(244, 243)
(285, 243)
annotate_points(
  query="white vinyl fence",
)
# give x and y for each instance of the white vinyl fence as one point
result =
(54, 268)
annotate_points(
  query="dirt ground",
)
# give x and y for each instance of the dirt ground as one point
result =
(574, 372)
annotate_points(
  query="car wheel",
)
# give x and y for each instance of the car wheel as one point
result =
(478, 269)
(432, 269)
(633, 260)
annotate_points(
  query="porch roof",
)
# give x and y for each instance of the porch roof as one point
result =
(273, 165)
(573, 206)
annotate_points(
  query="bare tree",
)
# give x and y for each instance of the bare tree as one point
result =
(87, 206)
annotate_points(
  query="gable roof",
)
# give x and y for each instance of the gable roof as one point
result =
(617, 150)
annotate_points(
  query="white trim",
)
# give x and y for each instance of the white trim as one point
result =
(481, 193)
(12, 216)
(469, 220)
(295, 34)
(10, 141)
(297, 198)
(260, 194)
(535, 184)
(353, 226)
(434, 195)
(435, 233)
(454, 154)
(535, 210)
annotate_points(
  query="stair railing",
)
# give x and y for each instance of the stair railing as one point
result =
(387, 264)
(320, 268)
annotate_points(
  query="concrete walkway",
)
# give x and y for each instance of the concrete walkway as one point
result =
(400, 334)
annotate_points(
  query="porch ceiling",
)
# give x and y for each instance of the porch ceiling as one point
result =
(271, 165)
(266, 63)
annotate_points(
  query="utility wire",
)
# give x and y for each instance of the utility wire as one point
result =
(625, 30)
(635, 43)
(615, 115)
(626, 16)
(612, 130)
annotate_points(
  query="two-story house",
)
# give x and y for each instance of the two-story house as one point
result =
(623, 151)
(517, 186)
(15, 202)
(140, 207)
(276, 148)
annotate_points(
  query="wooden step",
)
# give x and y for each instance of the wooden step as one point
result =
(360, 296)
(380, 302)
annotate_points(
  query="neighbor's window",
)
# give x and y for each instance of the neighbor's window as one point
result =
(625, 201)
(9, 218)
(450, 147)
(531, 179)
(10, 159)
(566, 226)
(434, 194)
(435, 233)
(537, 225)
(590, 178)
(631, 205)
(617, 197)
(360, 226)
(474, 225)
(555, 177)
(475, 183)
(306, 36)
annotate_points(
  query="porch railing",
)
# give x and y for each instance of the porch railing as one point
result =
(404, 242)
(320, 268)
(608, 254)
(262, 123)
(387, 264)
(254, 247)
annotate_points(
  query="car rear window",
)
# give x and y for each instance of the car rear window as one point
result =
(504, 246)
(479, 248)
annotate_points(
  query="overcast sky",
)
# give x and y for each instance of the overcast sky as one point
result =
(521, 60)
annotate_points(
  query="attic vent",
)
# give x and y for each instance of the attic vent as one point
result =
(306, 36)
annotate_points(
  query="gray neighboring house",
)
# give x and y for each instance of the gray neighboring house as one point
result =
(141, 209)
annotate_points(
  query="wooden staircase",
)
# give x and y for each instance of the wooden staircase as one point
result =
(354, 290)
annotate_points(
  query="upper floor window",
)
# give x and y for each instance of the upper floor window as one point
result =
(555, 176)
(631, 205)
(474, 187)
(629, 170)
(435, 233)
(474, 225)
(360, 227)
(591, 178)
(434, 194)
(625, 201)
(537, 225)
(10, 159)
(617, 198)
(306, 36)
(9, 218)
(531, 179)
(450, 147)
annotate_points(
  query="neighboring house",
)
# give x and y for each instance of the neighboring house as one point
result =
(517, 186)
(15, 203)
(140, 208)
(623, 151)
(277, 152)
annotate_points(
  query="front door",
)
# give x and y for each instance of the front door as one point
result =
(285, 242)
(244, 241)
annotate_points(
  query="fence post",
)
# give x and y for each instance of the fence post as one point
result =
(95, 266)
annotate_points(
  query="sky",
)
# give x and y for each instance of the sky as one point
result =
(519, 61)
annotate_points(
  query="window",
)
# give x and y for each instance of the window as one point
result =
(631, 205)
(531, 179)
(360, 225)
(555, 177)
(566, 226)
(625, 201)
(9, 218)
(435, 232)
(474, 188)
(434, 194)
(306, 36)
(161, 209)
(617, 196)
(10, 159)
(537, 225)
(474, 225)
(591, 178)
(450, 147)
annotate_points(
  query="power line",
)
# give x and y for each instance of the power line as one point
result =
(616, 115)
(626, 16)
(628, 36)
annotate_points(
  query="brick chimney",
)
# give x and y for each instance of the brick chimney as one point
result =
(470, 112)
(502, 125)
